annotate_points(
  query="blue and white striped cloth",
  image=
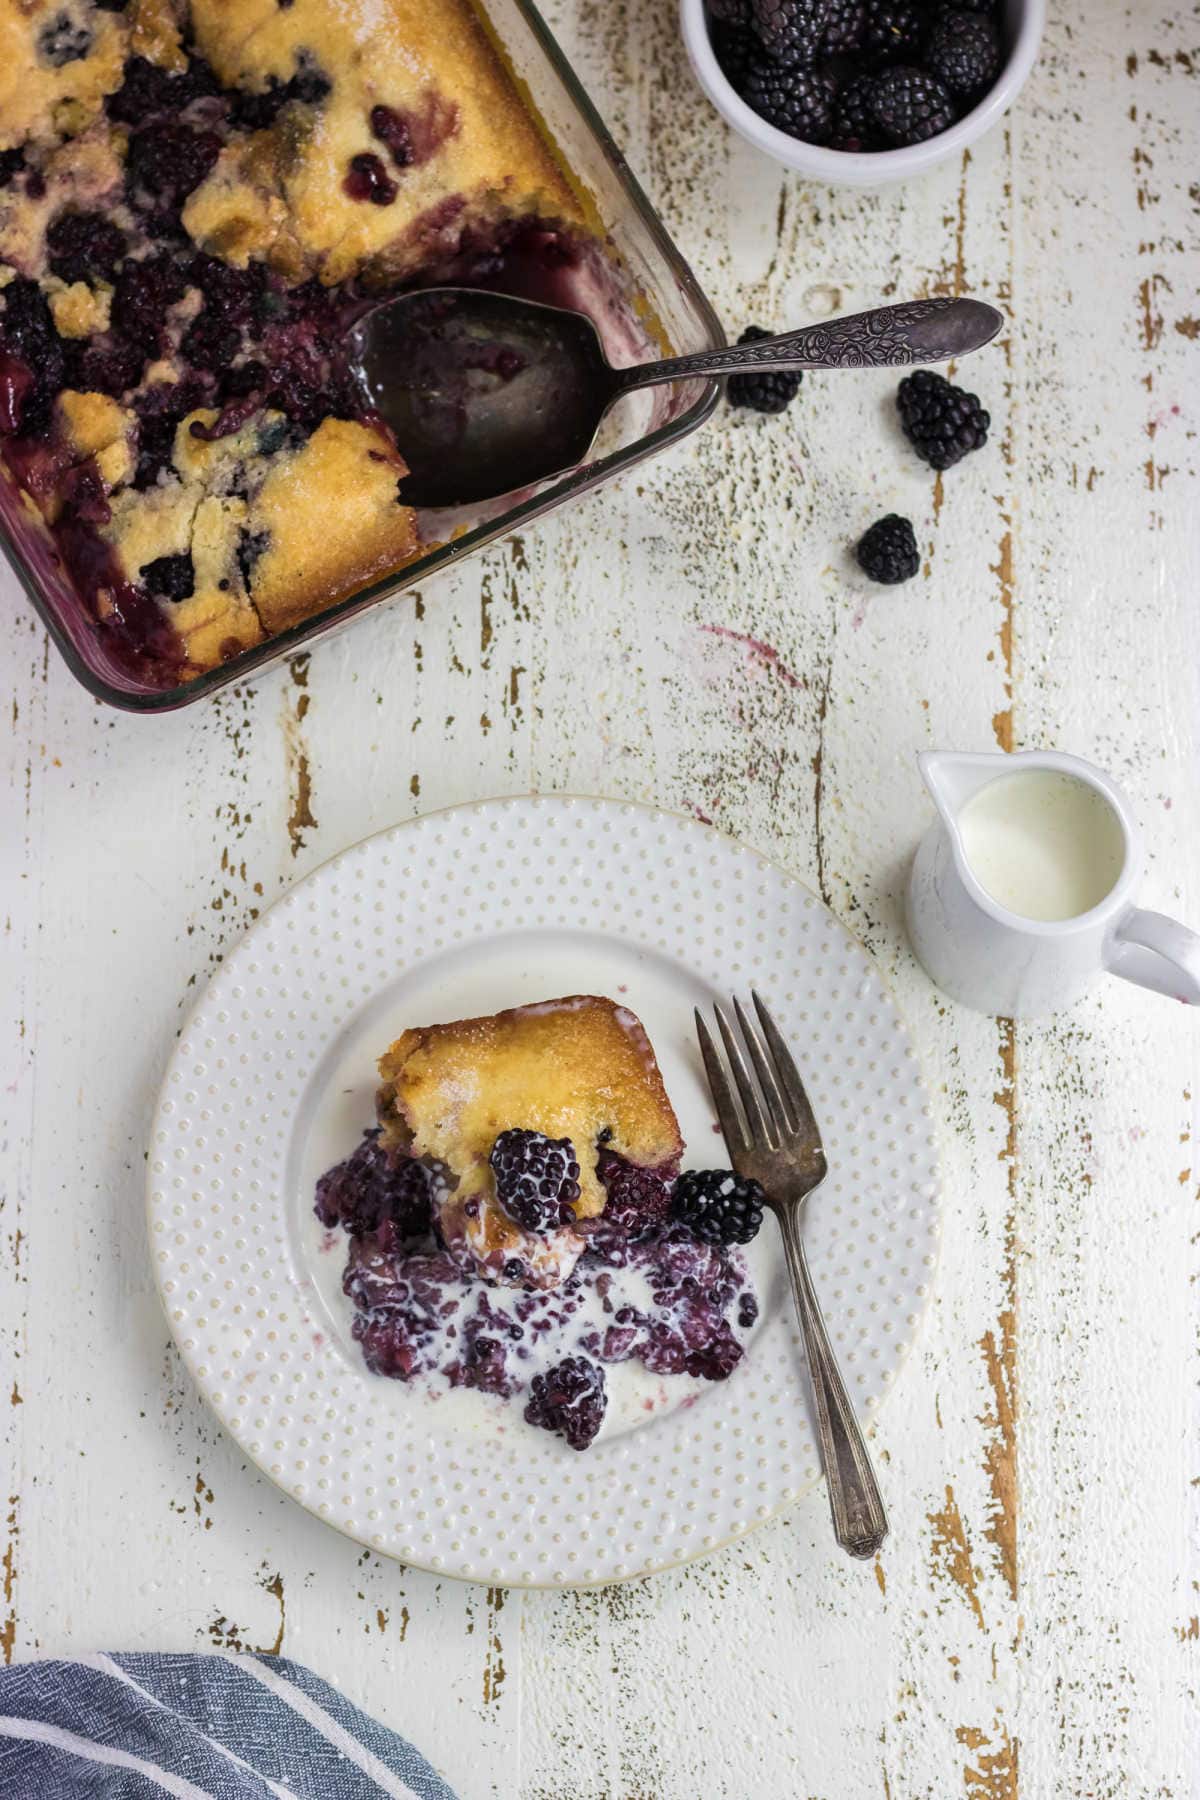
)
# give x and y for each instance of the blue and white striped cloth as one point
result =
(197, 1727)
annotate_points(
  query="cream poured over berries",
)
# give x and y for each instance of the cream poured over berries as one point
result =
(517, 1222)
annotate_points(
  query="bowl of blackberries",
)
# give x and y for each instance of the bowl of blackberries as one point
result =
(862, 91)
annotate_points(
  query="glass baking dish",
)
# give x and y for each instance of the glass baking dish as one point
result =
(661, 293)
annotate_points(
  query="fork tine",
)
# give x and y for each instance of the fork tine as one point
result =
(779, 1108)
(762, 1134)
(722, 1093)
(789, 1074)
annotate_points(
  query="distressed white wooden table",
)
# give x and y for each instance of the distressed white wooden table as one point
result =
(697, 637)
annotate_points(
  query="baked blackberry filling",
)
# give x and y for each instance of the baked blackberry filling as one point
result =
(654, 1294)
(180, 255)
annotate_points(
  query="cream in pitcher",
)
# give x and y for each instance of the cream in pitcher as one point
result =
(1042, 843)
(1022, 890)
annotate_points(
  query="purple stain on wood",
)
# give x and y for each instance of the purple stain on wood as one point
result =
(764, 656)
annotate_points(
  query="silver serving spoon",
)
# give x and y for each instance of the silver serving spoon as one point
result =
(486, 393)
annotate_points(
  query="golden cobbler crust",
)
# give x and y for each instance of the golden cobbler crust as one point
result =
(275, 527)
(280, 194)
(574, 1068)
(40, 98)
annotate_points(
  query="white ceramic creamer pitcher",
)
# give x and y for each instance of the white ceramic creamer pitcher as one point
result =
(1022, 889)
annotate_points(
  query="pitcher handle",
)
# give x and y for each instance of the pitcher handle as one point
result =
(1156, 952)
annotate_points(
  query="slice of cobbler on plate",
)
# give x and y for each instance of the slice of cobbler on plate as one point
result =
(518, 1222)
(520, 1108)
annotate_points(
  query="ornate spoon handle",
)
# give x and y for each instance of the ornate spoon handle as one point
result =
(917, 331)
(859, 1521)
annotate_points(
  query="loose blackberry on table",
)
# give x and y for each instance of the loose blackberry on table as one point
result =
(943, 423)
(718, 1206)
(888, 551)
(762, 390)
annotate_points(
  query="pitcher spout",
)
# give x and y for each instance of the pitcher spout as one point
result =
(952, 776)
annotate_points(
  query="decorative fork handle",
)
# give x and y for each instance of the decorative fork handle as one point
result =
(859, 1521)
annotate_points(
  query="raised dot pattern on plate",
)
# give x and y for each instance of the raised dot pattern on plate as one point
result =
(528, 1511)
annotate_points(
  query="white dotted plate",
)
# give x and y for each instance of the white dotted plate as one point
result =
(462, 913)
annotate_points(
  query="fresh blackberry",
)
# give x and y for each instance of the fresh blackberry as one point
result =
(371, 1186)
(844, 25)
(637, 1199)
(736, 50)
(569, 1399)
(84, 247)
(943, 423)
(790, 29)
(888, 551)
(854, 126)
(795, 100)
(762, 390)
(964, 51)
(894, 30)
(730, 12)
(718, 1206)
(537, 1179)
(910, 105)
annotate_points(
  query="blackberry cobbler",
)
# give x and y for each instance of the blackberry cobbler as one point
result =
(518, 1223)
(196, 198)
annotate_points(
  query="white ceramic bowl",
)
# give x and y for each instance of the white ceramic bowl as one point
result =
(1024, 21)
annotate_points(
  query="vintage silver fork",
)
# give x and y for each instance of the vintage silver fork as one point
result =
(773, 1139)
